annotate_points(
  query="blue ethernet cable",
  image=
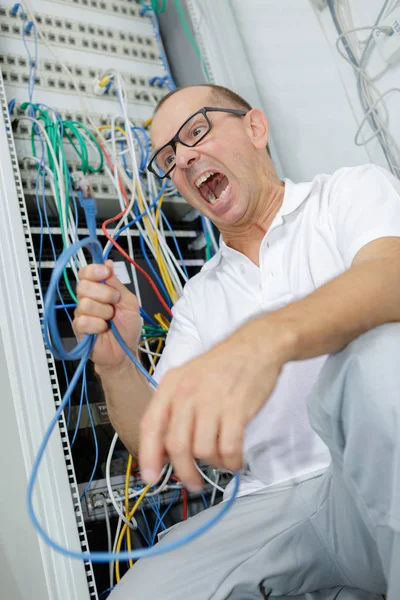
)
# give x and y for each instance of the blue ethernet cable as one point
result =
(26, 29)
(78, 418)
(161, 518)
(156, 29)
(104, 592)
(147, 526)
(146, 317)
(96, 445)
(203, 497)
(164, 218)
(41, 175)
(82, 353)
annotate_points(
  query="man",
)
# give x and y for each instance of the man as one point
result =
(299, 306)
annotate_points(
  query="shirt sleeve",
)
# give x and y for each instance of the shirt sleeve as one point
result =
(183, 342)
(364, 206)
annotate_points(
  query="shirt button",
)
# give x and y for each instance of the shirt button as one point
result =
(270, 273)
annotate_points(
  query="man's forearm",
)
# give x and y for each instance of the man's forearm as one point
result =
(127, 395)
(364, 297)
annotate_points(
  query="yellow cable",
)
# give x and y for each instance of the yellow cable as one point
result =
(159, 258)
(165, 276)
(117, 127)
(103, 82)
(124, 528)
(159, 346)
(128, 529)
(171, 289)
(152, 233)
(162, 320)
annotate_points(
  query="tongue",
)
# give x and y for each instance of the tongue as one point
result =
(220, 186)
(213, 188)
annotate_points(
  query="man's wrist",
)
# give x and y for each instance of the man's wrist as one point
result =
(114, 371)
(276, 338)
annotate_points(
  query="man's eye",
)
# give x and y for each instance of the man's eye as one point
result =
(168, 160)
(197, 131)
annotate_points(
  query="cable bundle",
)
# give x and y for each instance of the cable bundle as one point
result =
(120, 150)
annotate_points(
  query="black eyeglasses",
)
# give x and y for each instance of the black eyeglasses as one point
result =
(194, 129)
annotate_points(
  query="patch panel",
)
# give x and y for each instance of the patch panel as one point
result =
(121, 8)
(93, 502)
(85, 37)
(50, 76)
(22, 129)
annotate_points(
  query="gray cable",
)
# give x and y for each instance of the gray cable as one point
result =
(371, 116)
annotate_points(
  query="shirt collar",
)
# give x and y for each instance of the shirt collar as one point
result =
(295, 194)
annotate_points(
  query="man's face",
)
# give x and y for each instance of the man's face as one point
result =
(226, 152)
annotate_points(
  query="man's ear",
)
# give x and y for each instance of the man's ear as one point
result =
(256, 125)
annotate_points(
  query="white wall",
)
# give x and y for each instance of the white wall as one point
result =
(21, 568)
(303, 83)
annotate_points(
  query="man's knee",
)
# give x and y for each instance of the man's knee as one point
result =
(358, 389)
(377, 347)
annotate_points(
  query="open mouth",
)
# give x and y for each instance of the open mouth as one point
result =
(212, 186)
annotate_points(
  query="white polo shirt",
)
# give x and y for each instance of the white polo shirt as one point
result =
(318, 230)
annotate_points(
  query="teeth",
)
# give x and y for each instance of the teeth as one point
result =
(223, 193)
(203, 178)
(211, 198)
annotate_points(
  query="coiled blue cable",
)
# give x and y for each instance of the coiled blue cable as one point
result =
(82, 353)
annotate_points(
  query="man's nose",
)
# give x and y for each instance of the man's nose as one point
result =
(185, 156)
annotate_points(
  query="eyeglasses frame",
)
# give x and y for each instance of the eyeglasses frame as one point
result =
(173, 141)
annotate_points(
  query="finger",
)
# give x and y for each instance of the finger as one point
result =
(95, 272)
(205, 438)
(90, 276)
(151, 446)
(97, 291)
(92, 308)
(230, 441)
(85, 324)
(178, 443)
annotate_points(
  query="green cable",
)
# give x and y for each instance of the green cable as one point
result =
(190, 37)
(55, 139)
(156, 8)
(151, 335)
(152, 328)
(55, 143)
(208, 247)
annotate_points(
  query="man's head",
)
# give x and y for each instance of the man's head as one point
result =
(221, 158)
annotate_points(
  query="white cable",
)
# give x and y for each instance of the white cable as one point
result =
(368, 92)
(145, 351)
(168, 254)
(214, 492)
(108, 528)
(61, 188)
(204, 476)
(369, 111)
(125, 220)
(109, 486)
(372, 97)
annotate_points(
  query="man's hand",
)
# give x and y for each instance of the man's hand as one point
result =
(98, 303)
(201, 409)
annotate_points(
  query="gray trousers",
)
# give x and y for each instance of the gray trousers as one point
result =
(332, 537)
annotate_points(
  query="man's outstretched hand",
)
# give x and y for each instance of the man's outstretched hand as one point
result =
(201, 409)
